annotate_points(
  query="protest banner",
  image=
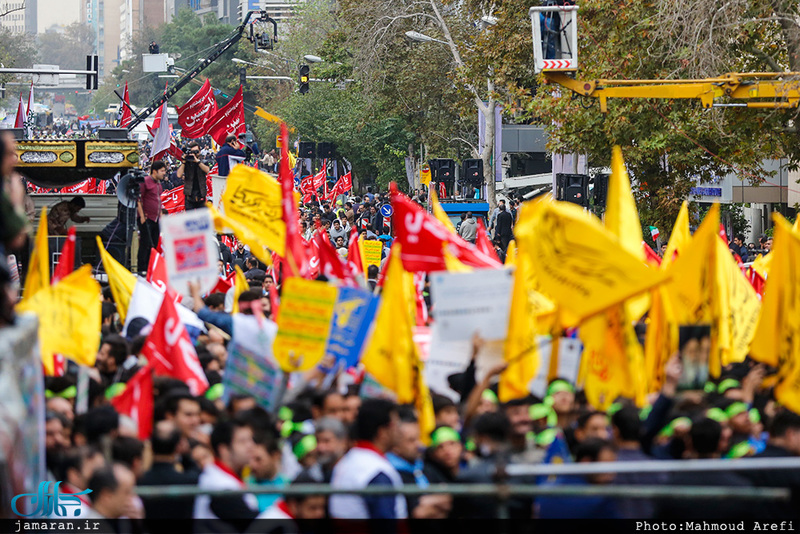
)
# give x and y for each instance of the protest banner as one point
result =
(190, 249)
(250, 368)
(372, 254)
(304, 323)
(472, 302)
(352, 317)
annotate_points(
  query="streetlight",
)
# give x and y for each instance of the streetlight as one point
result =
(489, 19)
(422, 38)
(312, 59)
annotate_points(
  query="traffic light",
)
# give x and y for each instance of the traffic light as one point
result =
(304, 71)
(92, 65)
(243, 76)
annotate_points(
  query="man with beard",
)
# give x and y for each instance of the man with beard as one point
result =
(331, 435)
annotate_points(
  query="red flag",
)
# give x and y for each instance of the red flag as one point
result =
(468, 254)
(442, 190)
(354, 253)
(157, 276)
(170, 351)
(173, 200)
(59, 365)
(483, 243)
(19, 121)
(161, 113)
(331, 264)
(137, 401)
(161, 137)
(346, 182)
(419, 233)
(321, 178)
(312, 250)
(274, 302)
(228, 120)
(295, 251)
(195, 114)
(125, 119)
(422, 306)
(215, 171)
(222, 286)
(722, 233)
(650, 255)
(66, 263)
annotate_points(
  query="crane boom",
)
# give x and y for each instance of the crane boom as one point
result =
(203, 63)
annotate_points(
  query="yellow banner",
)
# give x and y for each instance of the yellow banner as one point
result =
(69, 318)
(47, 153)
(253, 199)
(372, 253)
(112, 154)
(425, 176)
(304, 323)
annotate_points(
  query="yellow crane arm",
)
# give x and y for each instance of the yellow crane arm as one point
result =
(774, 91)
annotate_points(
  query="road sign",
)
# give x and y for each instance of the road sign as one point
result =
(386, 210)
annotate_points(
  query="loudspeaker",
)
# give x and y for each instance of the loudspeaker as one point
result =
(472, 172)
(326, 150)
(601, 189)
(444, 171)
(307, 150)
(573, 188)
(112, 134)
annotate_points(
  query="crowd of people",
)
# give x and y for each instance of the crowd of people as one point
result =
(328, 430)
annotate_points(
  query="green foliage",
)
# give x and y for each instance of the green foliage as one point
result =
(16, 50)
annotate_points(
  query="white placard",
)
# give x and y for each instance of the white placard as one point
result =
(465, 303)
(190, 249)
(569, 359)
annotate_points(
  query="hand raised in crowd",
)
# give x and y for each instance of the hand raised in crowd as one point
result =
(752, 382)
(672, 374)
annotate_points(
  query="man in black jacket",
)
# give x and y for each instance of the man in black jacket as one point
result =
(165, 440)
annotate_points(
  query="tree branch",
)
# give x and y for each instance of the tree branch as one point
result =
(766, 57)
(4, 13)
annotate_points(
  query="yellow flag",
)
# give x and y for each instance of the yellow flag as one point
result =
(253, 199)
(762, 263)
(121, 281)
(662, 338)
(38, 276)
(707, 287)
(258, 247)
(613, 359)
(778, 330)
(735, 310)
(391, 354)
(453, 264)
(520, 351)
(440, 214)
(622, 219)
(581, 264)
(511, 253)
(680, 236)
(424, 407)
(240, 285)
(69, 318)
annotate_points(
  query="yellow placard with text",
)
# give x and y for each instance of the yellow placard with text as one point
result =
(372, 253)
(304, 323)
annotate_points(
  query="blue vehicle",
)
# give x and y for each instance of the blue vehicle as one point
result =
(479, 209)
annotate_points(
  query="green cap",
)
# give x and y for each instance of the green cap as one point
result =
(710, 387)
(669, 430)
(540, 411)
(215, 392)
(114, 390)
(444, 434)
(644, 413)
(559, 385)
(717, 414)
(290, 427)
(614, 408)
(489, 395)
(470, 445)
(546, 437)
(755, 415)
(740, 450)
(728, 383)
(735, 409)
(285, 413)
(306, 445)
(69, 393)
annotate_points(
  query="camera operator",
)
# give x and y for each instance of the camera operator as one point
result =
(193, 173)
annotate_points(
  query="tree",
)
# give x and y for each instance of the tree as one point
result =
(16, 50)
(668, 145)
